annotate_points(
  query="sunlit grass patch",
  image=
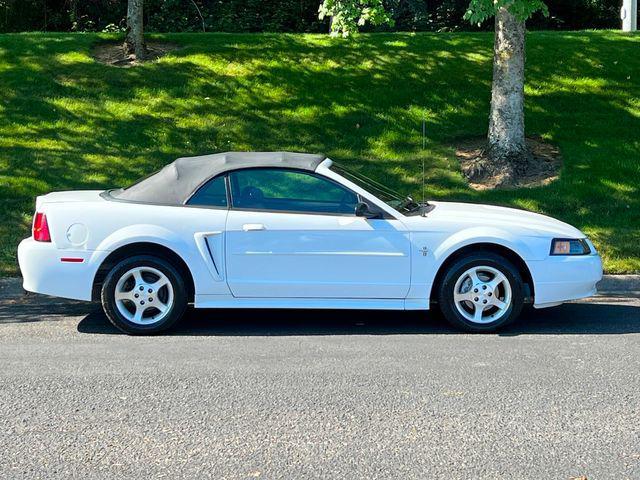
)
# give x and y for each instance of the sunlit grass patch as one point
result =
(67, 121)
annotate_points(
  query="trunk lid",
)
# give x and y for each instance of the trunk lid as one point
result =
(70, 196)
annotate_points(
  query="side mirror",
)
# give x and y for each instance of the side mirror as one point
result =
(363, 210)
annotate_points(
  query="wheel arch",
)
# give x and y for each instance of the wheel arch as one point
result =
(142, 248)
(496, 248)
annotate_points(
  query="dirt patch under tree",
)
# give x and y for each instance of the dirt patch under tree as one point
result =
(113, 53)
(542, 167)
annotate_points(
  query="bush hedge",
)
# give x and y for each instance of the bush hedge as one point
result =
(275, 15)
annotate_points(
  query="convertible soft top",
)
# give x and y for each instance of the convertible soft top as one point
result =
(176, 182)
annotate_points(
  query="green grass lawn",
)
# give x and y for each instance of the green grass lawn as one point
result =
(67, 122)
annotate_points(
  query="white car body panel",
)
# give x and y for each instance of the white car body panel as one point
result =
(316, 256)
(258, 259)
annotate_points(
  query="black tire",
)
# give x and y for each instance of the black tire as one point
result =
(445, 292)
(174, 313)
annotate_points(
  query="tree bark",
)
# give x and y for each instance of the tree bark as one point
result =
(507, 147)
(134, 41)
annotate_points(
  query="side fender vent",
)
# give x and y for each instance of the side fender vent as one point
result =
(211, 248)
(211, 255)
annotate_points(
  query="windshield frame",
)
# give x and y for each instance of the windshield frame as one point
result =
(403, 204)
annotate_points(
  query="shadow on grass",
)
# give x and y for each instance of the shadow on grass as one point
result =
(68, 122)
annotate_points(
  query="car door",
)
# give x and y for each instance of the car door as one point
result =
(294, 234)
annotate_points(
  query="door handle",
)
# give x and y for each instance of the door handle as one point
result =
(253, 227)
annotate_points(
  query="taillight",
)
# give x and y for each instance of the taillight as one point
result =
(41, 228)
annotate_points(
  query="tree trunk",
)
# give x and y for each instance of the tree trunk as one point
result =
(507, 148)
(134, 41)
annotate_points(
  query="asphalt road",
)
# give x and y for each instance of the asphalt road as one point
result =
(241, 394)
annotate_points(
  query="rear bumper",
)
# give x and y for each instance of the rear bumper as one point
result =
(559, 279)
(44, 271)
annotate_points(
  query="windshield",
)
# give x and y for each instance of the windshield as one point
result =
(403, 204)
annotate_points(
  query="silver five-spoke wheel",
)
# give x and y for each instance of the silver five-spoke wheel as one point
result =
(144, 295)
(482, 294)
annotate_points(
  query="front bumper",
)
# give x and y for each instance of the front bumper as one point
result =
(558, 279)
(43, 270)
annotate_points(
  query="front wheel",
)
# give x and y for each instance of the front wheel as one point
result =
(481, 292)
(144, 294)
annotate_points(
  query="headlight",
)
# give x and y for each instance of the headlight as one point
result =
(569, 246)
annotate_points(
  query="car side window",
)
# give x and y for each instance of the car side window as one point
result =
(289, 190)
(211, 194)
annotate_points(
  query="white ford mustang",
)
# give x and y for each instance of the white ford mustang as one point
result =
(290, 230)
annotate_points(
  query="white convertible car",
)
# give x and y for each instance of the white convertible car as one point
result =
(291, 230)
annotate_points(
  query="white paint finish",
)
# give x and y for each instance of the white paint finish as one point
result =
(43, 272)
(298, 260)
(453, 217)
(77, 234)
(253, 227)
(211, 248)
(452, 226)
(316, 256)
(114, 224)
(71, 196)
(549, 305)
(213, 301)
(417, 303)
(561, 278)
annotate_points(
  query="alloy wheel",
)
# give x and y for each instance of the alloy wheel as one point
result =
(144, 295)
(482, 294)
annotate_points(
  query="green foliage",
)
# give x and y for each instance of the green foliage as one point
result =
(481, 10)
(112, 28)
(68, 122)
(233, 15)
(348, 15)
(279, 15)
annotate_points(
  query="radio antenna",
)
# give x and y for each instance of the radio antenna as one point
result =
(424, 146)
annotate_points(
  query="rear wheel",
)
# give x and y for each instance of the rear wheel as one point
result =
(144, 294)
(481, 292)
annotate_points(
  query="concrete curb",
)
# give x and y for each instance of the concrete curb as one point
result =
(619, 284)
(11, 287)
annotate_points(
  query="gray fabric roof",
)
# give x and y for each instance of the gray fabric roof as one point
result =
(175, 183)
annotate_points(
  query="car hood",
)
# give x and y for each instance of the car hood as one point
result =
(471, 215)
